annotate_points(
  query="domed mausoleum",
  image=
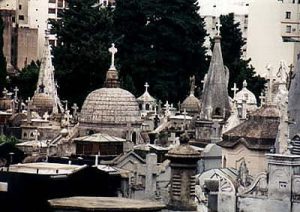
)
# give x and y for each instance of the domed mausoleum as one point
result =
(191, 104)
(111, 110)
(247, 96)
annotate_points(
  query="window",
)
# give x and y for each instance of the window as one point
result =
(51, 11)
(60, 3)
(20, 6)
(288, 29)
(52, 1)
(288, 15)
(21, 17)
(52, 42)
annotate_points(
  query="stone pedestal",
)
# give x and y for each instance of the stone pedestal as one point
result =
(183, 170)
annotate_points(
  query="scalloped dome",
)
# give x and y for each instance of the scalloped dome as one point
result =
(110, 106)
(191, 104)
(43, 103)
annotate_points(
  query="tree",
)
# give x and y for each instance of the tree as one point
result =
(81, 57)
(239, 69)
(160, 42)
(27, 80)
(3, 72)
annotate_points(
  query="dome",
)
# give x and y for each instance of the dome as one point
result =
(43, 103)
(247, 95)
(146, 97)
(191, 104)
(110, 106)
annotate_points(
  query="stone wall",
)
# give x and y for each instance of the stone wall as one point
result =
(255, 160)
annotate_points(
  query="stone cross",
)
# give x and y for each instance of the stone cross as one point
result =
(46, 116)
(75, 108)
(204, 81)
(113, 50)
(146, 86)
(16, 92)
(234, 89)
(218, 26)
(262, 99)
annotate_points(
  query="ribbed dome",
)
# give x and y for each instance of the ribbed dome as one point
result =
(43, 103)
(110, 106)
(191, 104)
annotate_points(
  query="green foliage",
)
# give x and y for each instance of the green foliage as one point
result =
(81, 58)
(8, 139)
(27, 80)
(160, 42)
(3, 72)
(239, 69)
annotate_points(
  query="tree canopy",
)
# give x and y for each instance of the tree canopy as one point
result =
(239, 68)
(161, 42)
(157, 41)
(81, 60)
(27, 80)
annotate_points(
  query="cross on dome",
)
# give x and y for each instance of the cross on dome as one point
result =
(146, 86)
(113, 50)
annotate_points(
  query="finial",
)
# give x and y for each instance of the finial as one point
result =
(146, 86)
(218, 26)
(113, 50)
(245, 84)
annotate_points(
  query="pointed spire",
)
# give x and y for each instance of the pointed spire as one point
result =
(46, 75)
(215, 99)
(112, 78)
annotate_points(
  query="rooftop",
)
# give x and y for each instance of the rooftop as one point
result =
(45, 168)
(104, 204)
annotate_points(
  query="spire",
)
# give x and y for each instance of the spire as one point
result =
(215, 99)
(112, 78)
(46, 75)
(294, 102)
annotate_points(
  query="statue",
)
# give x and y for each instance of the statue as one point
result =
(243, 174)
(282, 73)
(192, 84)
